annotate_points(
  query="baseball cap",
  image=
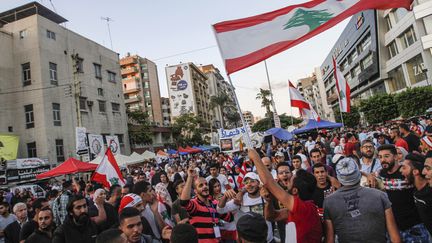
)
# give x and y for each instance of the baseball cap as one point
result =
(280, 154)
(348, 172)
(251, 175)
(252, 227)
(129, 200)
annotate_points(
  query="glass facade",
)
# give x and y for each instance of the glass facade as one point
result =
(396, 79)
(416, 69)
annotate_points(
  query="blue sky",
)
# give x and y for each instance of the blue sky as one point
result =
(159, 29)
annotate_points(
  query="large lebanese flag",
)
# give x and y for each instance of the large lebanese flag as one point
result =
(245, 42)
(343, 88)
(108, 173)
(297, 100)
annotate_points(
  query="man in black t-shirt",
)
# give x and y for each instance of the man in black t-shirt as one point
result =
(412, 140)
(30, 226)
(324, 187)
(400, 193)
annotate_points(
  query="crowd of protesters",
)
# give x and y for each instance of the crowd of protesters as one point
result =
(364, 185)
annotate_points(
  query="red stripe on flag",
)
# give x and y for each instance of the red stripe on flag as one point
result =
(300, 104)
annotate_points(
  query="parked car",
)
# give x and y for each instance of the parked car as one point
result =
(36, 190)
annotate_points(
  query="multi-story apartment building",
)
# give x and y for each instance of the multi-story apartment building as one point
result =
(217, 86)
(408, 42)
(166, 111)
(45, 93)
(311, 91)
(188, 91)
(249, 118)
(141, 87)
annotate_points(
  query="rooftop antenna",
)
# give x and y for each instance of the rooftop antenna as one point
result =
(108, 19)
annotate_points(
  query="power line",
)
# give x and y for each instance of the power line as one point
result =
(186, 52)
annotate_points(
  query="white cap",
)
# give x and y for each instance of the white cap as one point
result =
(251, 175)
(280, 154)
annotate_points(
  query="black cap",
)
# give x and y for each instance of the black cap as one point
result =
(252, 227)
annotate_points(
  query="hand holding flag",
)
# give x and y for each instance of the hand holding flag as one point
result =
(108, 172)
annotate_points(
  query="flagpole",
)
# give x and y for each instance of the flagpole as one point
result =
(271, 93)
(248, 138)
(340, 111)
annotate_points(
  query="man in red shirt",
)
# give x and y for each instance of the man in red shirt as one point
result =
(397, 140)
(352, 145)
(300, 212)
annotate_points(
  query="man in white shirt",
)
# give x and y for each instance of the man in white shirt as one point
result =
(251, 202)
(214, 173)
(310, 144)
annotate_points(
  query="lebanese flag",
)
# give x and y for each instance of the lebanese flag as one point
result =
(297, 100)
(245, 42)
(344, 90)
(243, 172)
(108, 173)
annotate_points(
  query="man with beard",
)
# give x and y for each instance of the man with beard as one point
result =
(412, 140)
(368, 163)
(325, 186)
(77, 226)
(396, 138)
(316, 157)
(131, 226)
(427, 171)
(5, 219)
(202, 211)
(412, 168)
(400, 193)
(251, 202)
(29, 227)
(45, 230)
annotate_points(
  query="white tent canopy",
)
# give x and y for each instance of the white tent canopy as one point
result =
(122, 160)
(149, 155)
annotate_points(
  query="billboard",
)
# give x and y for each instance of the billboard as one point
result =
(8, 147)
(180, 90)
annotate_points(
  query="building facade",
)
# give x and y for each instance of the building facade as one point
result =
(310, 89)
(249, 118)
(141, 87)
(166, 111)
(188, 91)
(45, 93)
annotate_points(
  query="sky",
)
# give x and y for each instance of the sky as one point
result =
(170, 32)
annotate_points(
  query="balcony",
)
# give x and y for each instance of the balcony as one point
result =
(131, 79)
(132, 90)
(128, 61)
(133, 100)
(129, 70)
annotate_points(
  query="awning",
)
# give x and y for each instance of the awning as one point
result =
(313, 124)
(279, 133)
(70, 166)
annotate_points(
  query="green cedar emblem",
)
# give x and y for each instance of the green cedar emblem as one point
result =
(342, 95)
(114, 181)
(312, 18)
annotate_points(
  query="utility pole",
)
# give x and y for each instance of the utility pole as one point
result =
(108, 19)
(77, 85)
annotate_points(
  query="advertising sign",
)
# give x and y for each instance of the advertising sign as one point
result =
(113, 143)
(180, 90)
(81, 140)
(230, 133)
(226, 144)
(8, 147)
(29, 163)
(96, 145)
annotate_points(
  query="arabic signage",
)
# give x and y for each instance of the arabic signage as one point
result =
(180, 90)
(232, 132)
(29, 163)
(81, 140)
(20, 175)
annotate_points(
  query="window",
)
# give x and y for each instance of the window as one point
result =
(102, 106)
(388, 23)
(145, 75)
(100, 92)
(367, 61)
(26, 74)
(111, 76)
(115, 107)
(399, 14)
(345, 65)
(31, 150)
(416, 69)
(23, 34)
(120, 138)
(104, 135)
(365, 43)
(29, 116)
(396, 79)
(56, 114)
(146, 85)
(393, 50)
(352, 56)
(147, 94)
(98, 70)
(82, 102)
(59, 150)
(144, 66)
(408, 37)
(53, 73)
(51, 35)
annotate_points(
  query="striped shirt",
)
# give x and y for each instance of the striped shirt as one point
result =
(204, 218)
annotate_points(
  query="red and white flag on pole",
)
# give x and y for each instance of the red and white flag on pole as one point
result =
(297, 100)
(108, 173)
(343, 88)
(243, 172)
(245, 42)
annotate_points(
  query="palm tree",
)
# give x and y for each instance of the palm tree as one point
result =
(264, 96)
(224, 105)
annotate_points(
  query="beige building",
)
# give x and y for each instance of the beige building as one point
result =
(188, 91)
(216, 86)
(141, 87)
(37, 91)
(166, 111)
(249, 118)
(310, 89)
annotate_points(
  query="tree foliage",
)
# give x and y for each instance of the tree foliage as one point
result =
(188, 130)
(265, 97)
(139, 127)
(415, 101)
(266, 123)
(351, 119)
(379, 108)
(227, 107)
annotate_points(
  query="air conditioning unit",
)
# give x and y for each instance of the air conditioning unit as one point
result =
(89, 103)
